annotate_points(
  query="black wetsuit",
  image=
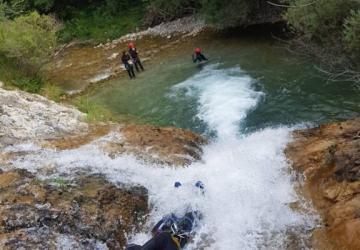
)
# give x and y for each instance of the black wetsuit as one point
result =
(129, 68)
(135, 58)
(161, 241)
(163, 238)
(198, 57)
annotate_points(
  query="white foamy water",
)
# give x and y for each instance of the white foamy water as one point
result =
(247, 179)
(224, 97)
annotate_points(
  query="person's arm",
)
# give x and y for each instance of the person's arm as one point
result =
(157, 227)
(194, 58)
(203, 57)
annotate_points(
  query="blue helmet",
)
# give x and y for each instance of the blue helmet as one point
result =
(199, 184)
(177, 184)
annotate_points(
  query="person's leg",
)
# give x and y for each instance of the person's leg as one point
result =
(129, 73)
(135, 63)
(140, 64)
(132, 71)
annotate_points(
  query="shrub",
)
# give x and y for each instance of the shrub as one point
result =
(94, 111)
(224, 14)
(352, 33)
(32, 84)
(165, 10)
(28, 39)
(319, 20)
(51, 91)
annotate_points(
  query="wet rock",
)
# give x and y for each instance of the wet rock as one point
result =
(172, 146)
(329, 157)
(25, 116)
(87, 213)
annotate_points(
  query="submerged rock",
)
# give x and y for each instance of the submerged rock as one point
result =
(85, 213)
(329, 157)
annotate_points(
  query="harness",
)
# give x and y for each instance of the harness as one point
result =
(176, 240)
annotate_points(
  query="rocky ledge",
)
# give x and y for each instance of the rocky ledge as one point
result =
(85, 213)
(32, 118)
(25, 116)
(329, 158)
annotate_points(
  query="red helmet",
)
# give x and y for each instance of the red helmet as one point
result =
(131, 45)
(197, 50)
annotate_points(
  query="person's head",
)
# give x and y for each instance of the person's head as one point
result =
(124, 52)
(197, 50)
(199, 185)
(131, 45)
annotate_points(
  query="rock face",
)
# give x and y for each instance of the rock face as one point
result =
(25, 116)
(77, 211)
(160, 145)
(86, 213)
(171, 146)
(329, 157)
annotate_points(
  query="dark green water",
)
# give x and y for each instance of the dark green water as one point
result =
(293, 90)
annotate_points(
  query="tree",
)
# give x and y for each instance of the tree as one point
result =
(352, 33)
(29, 39)
(224, 14)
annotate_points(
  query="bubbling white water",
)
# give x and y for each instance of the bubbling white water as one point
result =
(224, 97)
(246, 177)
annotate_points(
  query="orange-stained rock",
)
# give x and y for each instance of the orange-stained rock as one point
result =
(329, 157)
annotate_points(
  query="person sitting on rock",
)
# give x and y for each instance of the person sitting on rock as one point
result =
(125, 58)
(135, 57)
(198, 56)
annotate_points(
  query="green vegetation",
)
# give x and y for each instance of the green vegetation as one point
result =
(224, 14)
(29, 39)
(334, 25)
(99, 26)
(221, 14)
(14, 76)
(30, 30)
(352, 33)
(94, 111)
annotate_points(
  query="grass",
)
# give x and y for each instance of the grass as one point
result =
(94, 111)
(52, 92)
(15, 76)
(99, 26)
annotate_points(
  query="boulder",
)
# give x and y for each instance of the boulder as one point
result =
(25, 116)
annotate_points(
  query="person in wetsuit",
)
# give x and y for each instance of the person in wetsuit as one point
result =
(126, 60)
(173, 232)
(135, 57)
(198, 56)
(170, 233)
